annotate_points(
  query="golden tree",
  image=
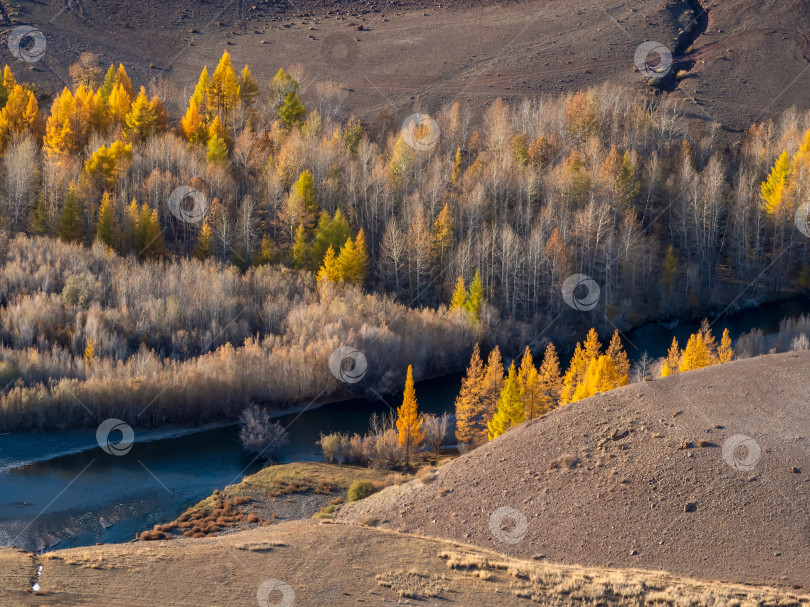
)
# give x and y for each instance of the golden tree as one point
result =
(459, 295)
(352, 263)
(202, 248)
(574, 374)
(20, 114)
(696, 354)
(725, 353)
(409, 420)
(510, 408)
(142, 120)
(122, 80)
(493, 382)
(774, 187)
(592, 345)
(600, 377)
(329, 269)
(119, 102)
(620, 361)
(673, 360)
(470, 401)
(531, 393)
(550, 375)
(223, 89)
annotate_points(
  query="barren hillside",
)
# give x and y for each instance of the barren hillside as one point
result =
(391, 56)
(643, 476)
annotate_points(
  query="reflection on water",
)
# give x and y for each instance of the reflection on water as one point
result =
(92, 496)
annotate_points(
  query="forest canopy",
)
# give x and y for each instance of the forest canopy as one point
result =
(310, 229)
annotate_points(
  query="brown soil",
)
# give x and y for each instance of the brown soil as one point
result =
(751, 61)
(637, 478)
(339, 565)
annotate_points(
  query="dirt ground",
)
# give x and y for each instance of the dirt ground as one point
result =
(643, 476)
(307, 564)
(745, 60)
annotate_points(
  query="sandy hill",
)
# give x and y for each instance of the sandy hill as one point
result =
(644, 476)
(745, 59)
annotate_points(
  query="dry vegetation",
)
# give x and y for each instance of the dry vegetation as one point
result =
(259, 498)
(355, 565)
(190, 341)
(559, 585)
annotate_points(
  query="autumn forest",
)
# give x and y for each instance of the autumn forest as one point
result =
(298, 228)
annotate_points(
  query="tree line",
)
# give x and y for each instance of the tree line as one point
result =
(665, 216)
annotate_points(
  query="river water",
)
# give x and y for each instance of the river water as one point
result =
(61, 489)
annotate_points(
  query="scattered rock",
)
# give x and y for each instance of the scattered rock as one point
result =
(690, 507)
(619, 434)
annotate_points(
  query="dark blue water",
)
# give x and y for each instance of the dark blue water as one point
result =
(70, 499)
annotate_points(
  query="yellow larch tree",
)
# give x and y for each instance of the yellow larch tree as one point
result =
(141, 120)
(673, 359)
(592, 345)
(107, 164)
(470, 401)
(99, 113)
(193, 125)
(574, 374)
(89, 353)
(119, 102)
(551, 383)
(509, 411)
(725, 353)
(329, 270)
(223, 89)
(122, 79)
(620, 361)
(493, 382)
(19, 115)
(409, 421)
(599, 377)
(459, 295)
(531, 394)
(352, 262)
(774, 187)
(696, 354)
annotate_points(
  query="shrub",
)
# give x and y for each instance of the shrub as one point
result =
(355, 450)
(385, 451)
(78, 291)
(361, 489)
(330, 445)
(261, 435)
(800, 343)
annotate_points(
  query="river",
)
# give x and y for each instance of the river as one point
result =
(60, 489)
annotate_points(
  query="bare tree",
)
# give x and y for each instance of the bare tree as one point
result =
(20, 162)
(436, 430)
(261, 435)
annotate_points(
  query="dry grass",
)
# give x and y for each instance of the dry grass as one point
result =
(352, 563)
(562, 584)
(413, 584)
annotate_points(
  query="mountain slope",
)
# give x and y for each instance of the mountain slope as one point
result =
(746, 60)
(638, 477)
